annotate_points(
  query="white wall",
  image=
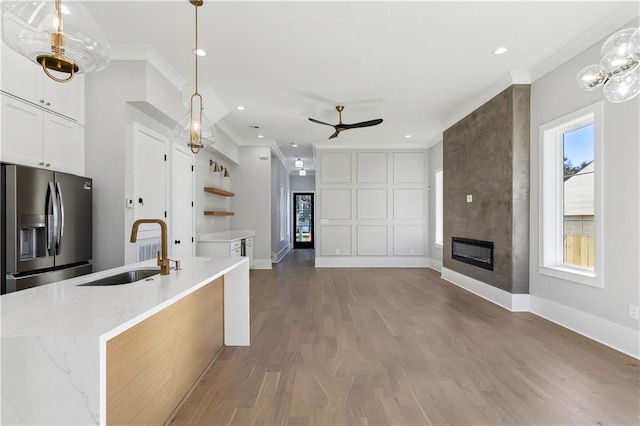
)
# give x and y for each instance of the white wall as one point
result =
(435, 163)
(251, 183)
(371, 208)
(114, 99)
(303, 183)
(280, 210)
(600, 313)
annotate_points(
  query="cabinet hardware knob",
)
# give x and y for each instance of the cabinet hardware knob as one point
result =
(48, 103)
(177, 241)
(41, 101)
(48, 164)
(41, 163)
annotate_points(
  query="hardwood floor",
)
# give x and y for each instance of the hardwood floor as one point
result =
(402, 346)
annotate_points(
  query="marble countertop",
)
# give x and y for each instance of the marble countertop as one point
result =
(66, 308)
(224, 236)
(54, 337)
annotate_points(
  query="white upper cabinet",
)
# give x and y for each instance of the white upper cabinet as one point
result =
(34, 137)
(26, 80)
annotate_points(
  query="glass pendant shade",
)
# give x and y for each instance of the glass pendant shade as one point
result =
(618, 41)
(622, 89)
(195, 130)
(590, 77)
(35, 29)
(618, 62)
(634, 45)
(299, 163)
(302, 172)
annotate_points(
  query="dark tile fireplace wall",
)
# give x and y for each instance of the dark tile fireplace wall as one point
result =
(486, 155)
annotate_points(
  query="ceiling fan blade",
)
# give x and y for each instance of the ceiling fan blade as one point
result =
(363, 124)
(320, 122)
(335, 135)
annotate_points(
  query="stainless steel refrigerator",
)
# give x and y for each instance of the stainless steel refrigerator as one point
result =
(46, 227)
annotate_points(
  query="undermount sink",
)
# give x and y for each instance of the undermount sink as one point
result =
(127, 277)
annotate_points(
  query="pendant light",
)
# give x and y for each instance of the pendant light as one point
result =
(195, 128)
(63, 39)
(619, 69)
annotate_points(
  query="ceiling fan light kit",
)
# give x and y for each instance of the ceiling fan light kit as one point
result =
(343, 126)
(63, 39)
(617, 71)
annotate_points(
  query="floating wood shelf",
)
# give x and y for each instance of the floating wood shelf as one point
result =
(218, 191)
(218, 213)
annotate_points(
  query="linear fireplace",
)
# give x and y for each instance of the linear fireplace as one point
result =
(473, 252)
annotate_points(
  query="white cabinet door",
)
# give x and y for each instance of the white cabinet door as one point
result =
(249, 250)
(149, 179)
(19, 75)
(181, 202)
(21, 133)
(26, 80)
(64, 98)
(63, 145)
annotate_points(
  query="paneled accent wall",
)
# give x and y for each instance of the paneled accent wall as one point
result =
(371, 208)
(486, 158)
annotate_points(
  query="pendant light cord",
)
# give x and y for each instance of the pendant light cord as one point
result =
(196, 51)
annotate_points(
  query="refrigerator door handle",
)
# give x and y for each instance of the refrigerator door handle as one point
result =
(51, 219)
(60, 234)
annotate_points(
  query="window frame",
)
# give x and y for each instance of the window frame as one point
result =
(438, 208)
(551, 261)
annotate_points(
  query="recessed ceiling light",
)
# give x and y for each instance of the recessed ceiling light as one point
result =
(293, 144)
(240, 108)
(407, 136)
(199, 52)
(500, 51)
(260, 136)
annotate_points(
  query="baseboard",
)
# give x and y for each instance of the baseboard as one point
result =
(277, 257)
(261, 264)
(616, 336)
(435, 264)
(371, 262)
(512, 302)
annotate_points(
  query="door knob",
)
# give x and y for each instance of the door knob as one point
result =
(141, 201)
(177, 242)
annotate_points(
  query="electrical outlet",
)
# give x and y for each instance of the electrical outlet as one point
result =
(633, 311)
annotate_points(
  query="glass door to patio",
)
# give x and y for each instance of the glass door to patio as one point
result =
(303, 220)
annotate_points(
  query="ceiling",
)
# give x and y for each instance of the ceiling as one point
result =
(416, 64)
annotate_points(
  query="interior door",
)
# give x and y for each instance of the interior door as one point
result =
(182, 203)
(149, 177)
(303, 220)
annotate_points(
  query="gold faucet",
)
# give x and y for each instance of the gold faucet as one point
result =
(163, 260)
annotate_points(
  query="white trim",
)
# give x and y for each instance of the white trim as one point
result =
(509, 301)
(616, 336)
(277, 257)
(261, 264)
(372, 262)
(551, 195)
(435, 264)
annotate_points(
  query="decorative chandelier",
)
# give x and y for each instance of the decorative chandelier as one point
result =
(195, 127)
(36, 30)
(618, 69)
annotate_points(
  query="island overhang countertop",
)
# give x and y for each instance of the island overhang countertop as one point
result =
(54, 336)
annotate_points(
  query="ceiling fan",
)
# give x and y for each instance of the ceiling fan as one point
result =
(342, 126)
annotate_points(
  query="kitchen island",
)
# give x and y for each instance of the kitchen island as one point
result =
(56, 338)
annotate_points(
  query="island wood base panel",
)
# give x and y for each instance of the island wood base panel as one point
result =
(154, 364)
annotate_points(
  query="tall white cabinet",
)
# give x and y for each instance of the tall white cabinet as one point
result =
(42, 120)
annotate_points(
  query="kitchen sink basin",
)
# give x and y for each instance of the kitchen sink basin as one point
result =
(124, 277)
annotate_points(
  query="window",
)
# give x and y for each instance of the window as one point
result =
(571, 241)
(439, 240)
